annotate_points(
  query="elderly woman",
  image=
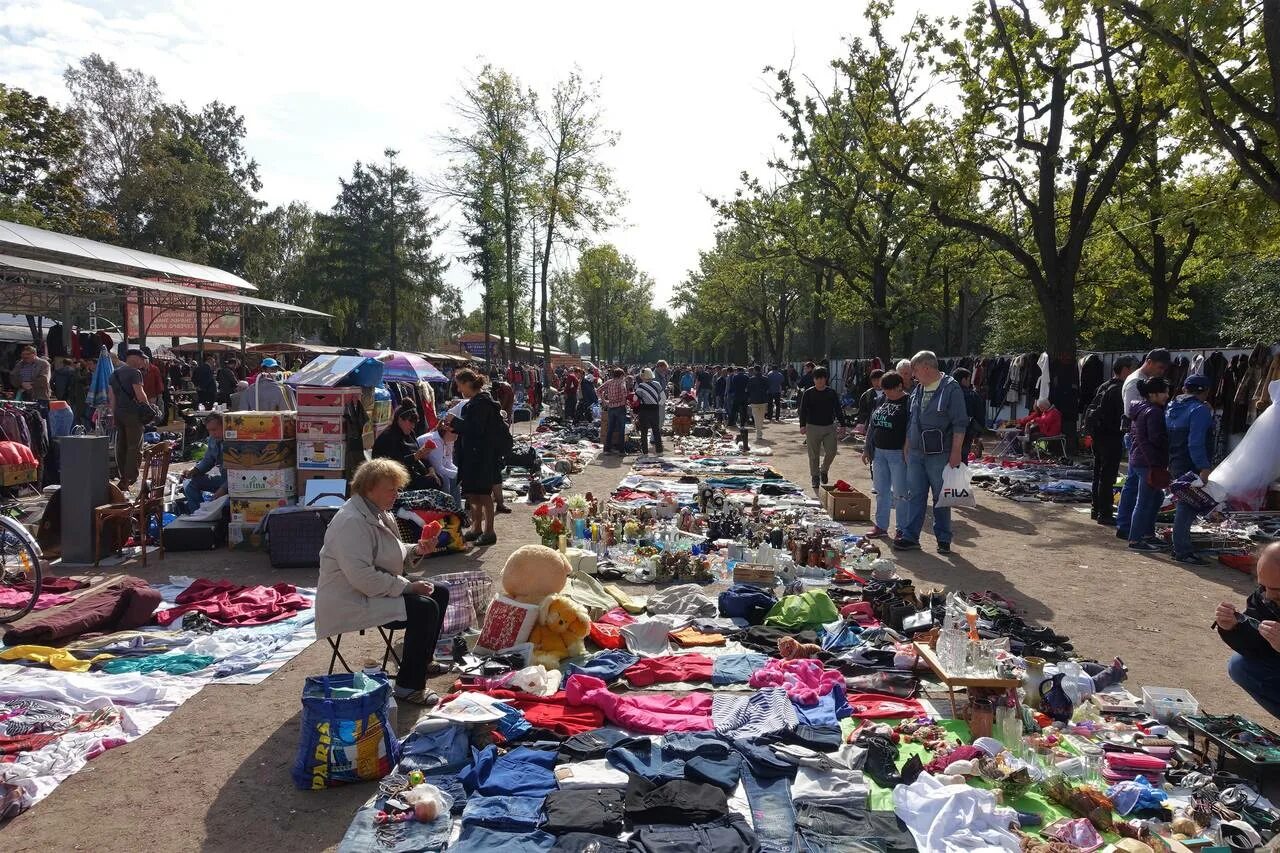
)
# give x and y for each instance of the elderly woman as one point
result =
(362, 582)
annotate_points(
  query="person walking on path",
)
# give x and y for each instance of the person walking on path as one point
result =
(885, 452)
(758, 399)
(652, 397)
(1148, 461)
(1189, 422)
(1104, 422)
(738, 391)
(1155, 365)
(819, 413)
(777, 381)
(482, 431)
(935, 440)
(613, 404)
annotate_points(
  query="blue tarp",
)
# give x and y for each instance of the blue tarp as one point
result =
(337, 371)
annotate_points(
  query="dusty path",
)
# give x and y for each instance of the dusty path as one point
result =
(215, 774)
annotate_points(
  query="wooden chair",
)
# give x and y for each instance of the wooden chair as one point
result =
(147, 505)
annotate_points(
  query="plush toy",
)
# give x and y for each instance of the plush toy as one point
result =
(789, 648)
(562, 625)
(533, 572)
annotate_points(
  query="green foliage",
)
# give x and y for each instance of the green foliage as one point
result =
(1252, 293)
(39, 163)
(609, 299)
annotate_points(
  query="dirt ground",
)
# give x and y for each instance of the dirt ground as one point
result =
(215, 774)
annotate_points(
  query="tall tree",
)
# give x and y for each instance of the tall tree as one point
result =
(575, 189)
(40, 170)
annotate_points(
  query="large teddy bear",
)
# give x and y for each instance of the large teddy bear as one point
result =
(534, 572)
(562, 626)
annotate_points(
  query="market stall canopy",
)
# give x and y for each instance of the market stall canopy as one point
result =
(405, 367)
(29, 242)
(309, 349)
(334, 371)
(47, 269)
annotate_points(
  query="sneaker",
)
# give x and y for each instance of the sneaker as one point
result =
(1147, 547)
(503, 509)
(1188, 559)
(944, 547)
(470, 536)
(905, 545)
(815, 485)
(875, 533)
(488, 539)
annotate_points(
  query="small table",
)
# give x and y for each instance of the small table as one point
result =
(930, 657)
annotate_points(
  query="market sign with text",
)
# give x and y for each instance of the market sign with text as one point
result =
(220, 319)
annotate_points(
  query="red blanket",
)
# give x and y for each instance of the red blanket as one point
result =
(231, 604)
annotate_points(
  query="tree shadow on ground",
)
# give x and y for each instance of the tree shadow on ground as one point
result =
(955, 573)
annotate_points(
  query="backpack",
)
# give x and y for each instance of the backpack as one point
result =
(1093, 413)
(502, 440)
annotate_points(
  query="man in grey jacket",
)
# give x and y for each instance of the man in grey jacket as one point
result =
(31, 375)
(935, 438)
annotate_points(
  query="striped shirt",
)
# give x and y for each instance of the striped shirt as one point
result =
(650, 393)
(613, 393)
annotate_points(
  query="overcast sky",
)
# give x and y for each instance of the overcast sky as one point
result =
(324, 84)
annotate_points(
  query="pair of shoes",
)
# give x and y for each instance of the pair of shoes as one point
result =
(944, 547)
(1188, 559)
(875, 533)
(488, 539)
(503, 509)
(905, 545)
(1147, 547)
(470, 536)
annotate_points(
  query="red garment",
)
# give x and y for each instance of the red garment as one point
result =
(876, 705)
(553, 712)
(1047, 423)
(616, 616)
(669, 668)
(231, 604)
(153, 381)
(943, 760)
(607, 636)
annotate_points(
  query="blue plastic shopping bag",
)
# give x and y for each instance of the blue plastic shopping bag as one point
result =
(347, 734)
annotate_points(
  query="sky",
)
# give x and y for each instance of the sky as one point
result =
(323, 84)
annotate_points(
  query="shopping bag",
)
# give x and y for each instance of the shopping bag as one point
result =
(957, 488)
(347, 734)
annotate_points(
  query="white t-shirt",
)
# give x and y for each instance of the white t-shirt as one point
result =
(440, 456)
(1129, 391)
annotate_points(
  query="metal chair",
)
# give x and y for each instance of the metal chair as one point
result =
(147, 505)
(1046, 440)
(388, 634)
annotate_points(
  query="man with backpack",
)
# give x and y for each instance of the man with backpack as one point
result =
(1104, 421)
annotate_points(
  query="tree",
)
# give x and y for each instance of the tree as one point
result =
(611, 298)
(276, 261)
(114, 110)
(39, 163)
(575, 190)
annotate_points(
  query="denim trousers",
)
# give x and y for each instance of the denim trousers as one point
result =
(509, 813)
(924, 479)
(1258, 677)
(1143, 524)
(889, 475)
(365, 833)
(730, 407)
(696, 756)
(728, 834)
(195, 488)
(772, 813)
(1183, 517)
(484, 839)
(704, 399)
(617, 427)
(1128, 497)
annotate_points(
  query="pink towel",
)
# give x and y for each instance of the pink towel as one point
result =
(649, 713)
(804, 680)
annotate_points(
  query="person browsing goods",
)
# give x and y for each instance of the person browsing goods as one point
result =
(886, 453)
(1254, 635)
(935, 440)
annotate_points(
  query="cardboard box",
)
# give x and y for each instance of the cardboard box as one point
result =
(249, 483)
(253, 510)
(320, 428)
(306, 475)
(260, 426)
(15, 475)
(328, 402)
(244, 536)
(260, 455)
(755, 574)
(322, 454)
(846, 506)
(382, 412)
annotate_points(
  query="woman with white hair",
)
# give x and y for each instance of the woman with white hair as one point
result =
(904, 370)
(652, 400)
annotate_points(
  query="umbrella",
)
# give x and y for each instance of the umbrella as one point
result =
(97, 395)
(405, 367)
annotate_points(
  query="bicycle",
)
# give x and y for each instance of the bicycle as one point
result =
(20, 570)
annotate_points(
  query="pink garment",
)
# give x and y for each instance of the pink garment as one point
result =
(804, 680)
(10, 597)
(861, 613)
(616, 616)
(650, 713)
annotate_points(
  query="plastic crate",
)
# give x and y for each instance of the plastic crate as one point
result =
(1167, 703)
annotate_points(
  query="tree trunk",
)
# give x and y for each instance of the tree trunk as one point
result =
(946, 311)
(963, 318)
(817, 318)
(1161, 292)
(880, 341)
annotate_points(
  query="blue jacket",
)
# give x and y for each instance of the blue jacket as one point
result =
(212, 457)
(1190, 425)
(738, 385)
(1148, 436)
(945, 411)
(776, 380)
(757, 389)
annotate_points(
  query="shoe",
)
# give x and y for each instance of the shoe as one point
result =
(488, 539)
(1106, 520)
(1093, 513)
(944, 547)
(1143, 546)
(815, 485)
(875, 533)
(824, 478)
(422, 697)
(1122, 534)
(1188, 559)
(470, 536)
(503, 509)
(905, 545)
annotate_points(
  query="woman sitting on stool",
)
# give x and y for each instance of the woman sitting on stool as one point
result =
(362, 582)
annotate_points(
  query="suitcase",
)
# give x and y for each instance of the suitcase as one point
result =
(188, 534)
(295, 535)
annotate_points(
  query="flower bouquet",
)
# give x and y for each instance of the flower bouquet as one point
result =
(548, 525)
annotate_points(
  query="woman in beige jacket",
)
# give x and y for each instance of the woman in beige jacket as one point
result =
(362, 582)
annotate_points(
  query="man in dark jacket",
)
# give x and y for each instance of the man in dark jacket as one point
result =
(1189, 421)
(737, 390)
(819, 412)
(203, 377)
(868, 401)
(1255, 639)
(227, 381)
(1104, 422)
(758, 399)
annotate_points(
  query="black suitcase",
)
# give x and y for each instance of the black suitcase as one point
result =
(295, 535)
(188, 534)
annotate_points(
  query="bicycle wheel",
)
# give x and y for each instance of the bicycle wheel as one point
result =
(19, 570)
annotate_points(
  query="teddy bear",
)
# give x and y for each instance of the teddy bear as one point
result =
(562, 626)
(533, 572)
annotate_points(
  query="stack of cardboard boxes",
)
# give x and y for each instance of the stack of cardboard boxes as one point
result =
(322, 444)
(259, 455)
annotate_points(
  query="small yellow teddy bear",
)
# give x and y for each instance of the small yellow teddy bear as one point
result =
(562, 626)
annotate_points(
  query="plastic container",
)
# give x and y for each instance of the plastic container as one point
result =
(1167, 703)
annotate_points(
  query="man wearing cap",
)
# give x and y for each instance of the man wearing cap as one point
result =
(268, 393)
(1156, 363)
(1189, 420)
(124, 392)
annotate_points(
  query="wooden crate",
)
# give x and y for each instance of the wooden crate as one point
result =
(15, 475)
(755, 574)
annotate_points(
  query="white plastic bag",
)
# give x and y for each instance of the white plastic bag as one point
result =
(1244, 476)
(957, 488)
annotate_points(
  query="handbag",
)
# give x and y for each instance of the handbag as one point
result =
(346, 731)
(1158, 478)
